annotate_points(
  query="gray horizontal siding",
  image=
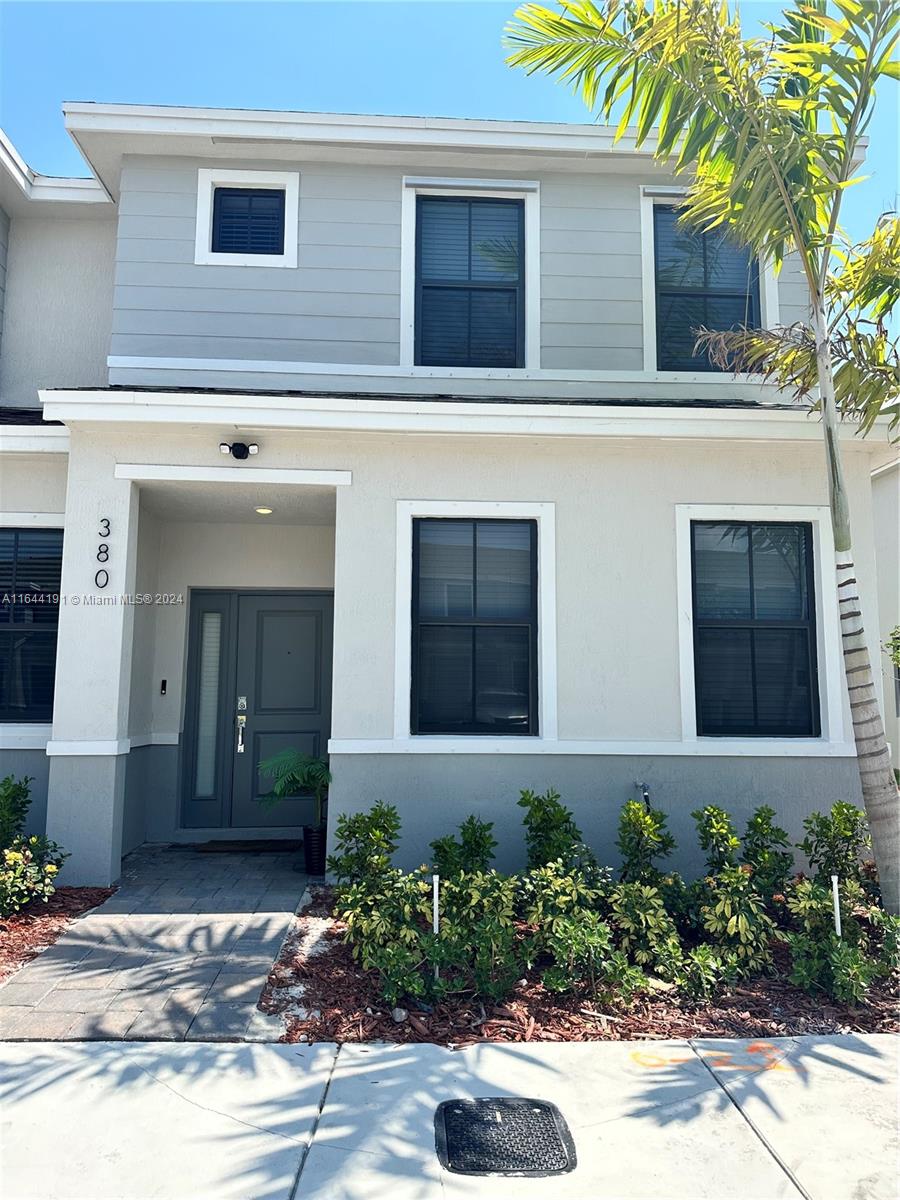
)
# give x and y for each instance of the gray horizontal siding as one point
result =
(342, 302)
(793, 296)
(4, 250)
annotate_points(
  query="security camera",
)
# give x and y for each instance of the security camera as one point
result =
(238, 450)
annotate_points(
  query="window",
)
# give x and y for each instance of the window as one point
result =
(30, 568)
(474, 626)
(248, 221)
(701, 279)
(754, 629)
(247, 218)
(470, 282)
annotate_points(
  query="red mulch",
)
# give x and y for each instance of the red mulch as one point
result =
(351, 1009)
(38, 925)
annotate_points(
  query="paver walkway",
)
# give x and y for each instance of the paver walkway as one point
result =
(181, 951)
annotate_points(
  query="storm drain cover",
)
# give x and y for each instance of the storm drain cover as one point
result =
(501, 1135)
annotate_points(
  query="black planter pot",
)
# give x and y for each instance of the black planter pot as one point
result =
(314, 838)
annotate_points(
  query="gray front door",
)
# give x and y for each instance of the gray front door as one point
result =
(259, 681)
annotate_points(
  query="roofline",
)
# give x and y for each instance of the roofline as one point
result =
(267, 125)
(35, 186)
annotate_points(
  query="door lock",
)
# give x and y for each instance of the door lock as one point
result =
(241, 723)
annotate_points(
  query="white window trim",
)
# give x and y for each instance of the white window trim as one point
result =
(208, 181)
(545, 515)
(528, 190)
(835, 731)
(768, 284)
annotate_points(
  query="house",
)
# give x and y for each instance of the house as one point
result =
(385, 436)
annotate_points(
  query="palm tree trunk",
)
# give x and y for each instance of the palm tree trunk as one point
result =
(879, 789)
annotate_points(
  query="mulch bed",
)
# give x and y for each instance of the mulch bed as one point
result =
(343, 1005)
(38, 925)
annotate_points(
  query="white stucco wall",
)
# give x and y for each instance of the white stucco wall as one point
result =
(886, 518)
(618, 674)
(58, 312)
(33, 483)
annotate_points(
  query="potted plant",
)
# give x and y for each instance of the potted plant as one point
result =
(293, 774)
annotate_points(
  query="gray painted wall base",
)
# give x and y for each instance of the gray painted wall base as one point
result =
(434, 793)
(85, 812)
(36, 765)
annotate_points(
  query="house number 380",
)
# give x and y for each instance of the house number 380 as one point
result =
(101, 579)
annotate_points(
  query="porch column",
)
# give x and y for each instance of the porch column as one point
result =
(89, 748)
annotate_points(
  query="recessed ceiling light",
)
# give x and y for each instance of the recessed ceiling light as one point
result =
(263, 511)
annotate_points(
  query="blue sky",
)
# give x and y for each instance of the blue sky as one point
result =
(430, 57)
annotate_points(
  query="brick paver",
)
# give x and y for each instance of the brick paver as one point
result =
(180, 952)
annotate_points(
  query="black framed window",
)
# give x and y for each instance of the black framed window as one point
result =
(30, 569)
(474, 626)
(248, 221)
(701, 279)
(754, 629)
(470, 282)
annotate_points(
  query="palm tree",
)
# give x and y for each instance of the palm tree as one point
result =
(767, 132)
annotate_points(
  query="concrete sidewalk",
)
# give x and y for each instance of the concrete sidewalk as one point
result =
(794, 1117)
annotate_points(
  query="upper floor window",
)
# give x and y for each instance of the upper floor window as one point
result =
(701, 279)
(470, 282)
(754, 629)
(248, 221)
(474, 626)
(30, 569)
(247, 218)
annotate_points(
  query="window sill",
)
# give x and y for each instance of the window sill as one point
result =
(525, 744)
(25, 735)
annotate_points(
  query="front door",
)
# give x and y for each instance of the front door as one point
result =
(259, 681)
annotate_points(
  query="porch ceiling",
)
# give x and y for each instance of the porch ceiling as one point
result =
(236, 503)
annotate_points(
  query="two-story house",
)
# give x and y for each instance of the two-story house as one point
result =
(385, 436)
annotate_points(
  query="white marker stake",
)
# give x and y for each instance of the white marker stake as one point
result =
(837, 905)
(435, 910)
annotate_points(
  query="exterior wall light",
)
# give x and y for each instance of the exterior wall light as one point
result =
(263, 511)
(238, 450)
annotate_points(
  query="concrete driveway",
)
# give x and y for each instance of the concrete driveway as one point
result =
(794, 1117)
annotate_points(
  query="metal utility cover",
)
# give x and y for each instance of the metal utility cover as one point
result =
(503, 1135)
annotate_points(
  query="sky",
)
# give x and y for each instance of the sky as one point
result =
(418, 57)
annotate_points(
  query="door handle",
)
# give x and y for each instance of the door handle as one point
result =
(241, 722)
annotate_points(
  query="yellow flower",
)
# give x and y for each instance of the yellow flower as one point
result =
(52, 869)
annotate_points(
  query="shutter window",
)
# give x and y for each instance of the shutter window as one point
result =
(470, 282)
(30, 570)
(248, 221)
(754, 630)
(701, 279)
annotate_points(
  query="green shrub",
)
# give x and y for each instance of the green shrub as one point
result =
(646, 932)
(735, 915)
(365, 843)
(28, 870)
(584, 954)
(703, 970)
(477, 944)
(550, 894)
(717, 838)
(643, 836)
(887, 927)
(551, 832)
(473, 852)
(15, 800)
(767, 850)
(379, 911)
(831, 965)
(834, 842)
